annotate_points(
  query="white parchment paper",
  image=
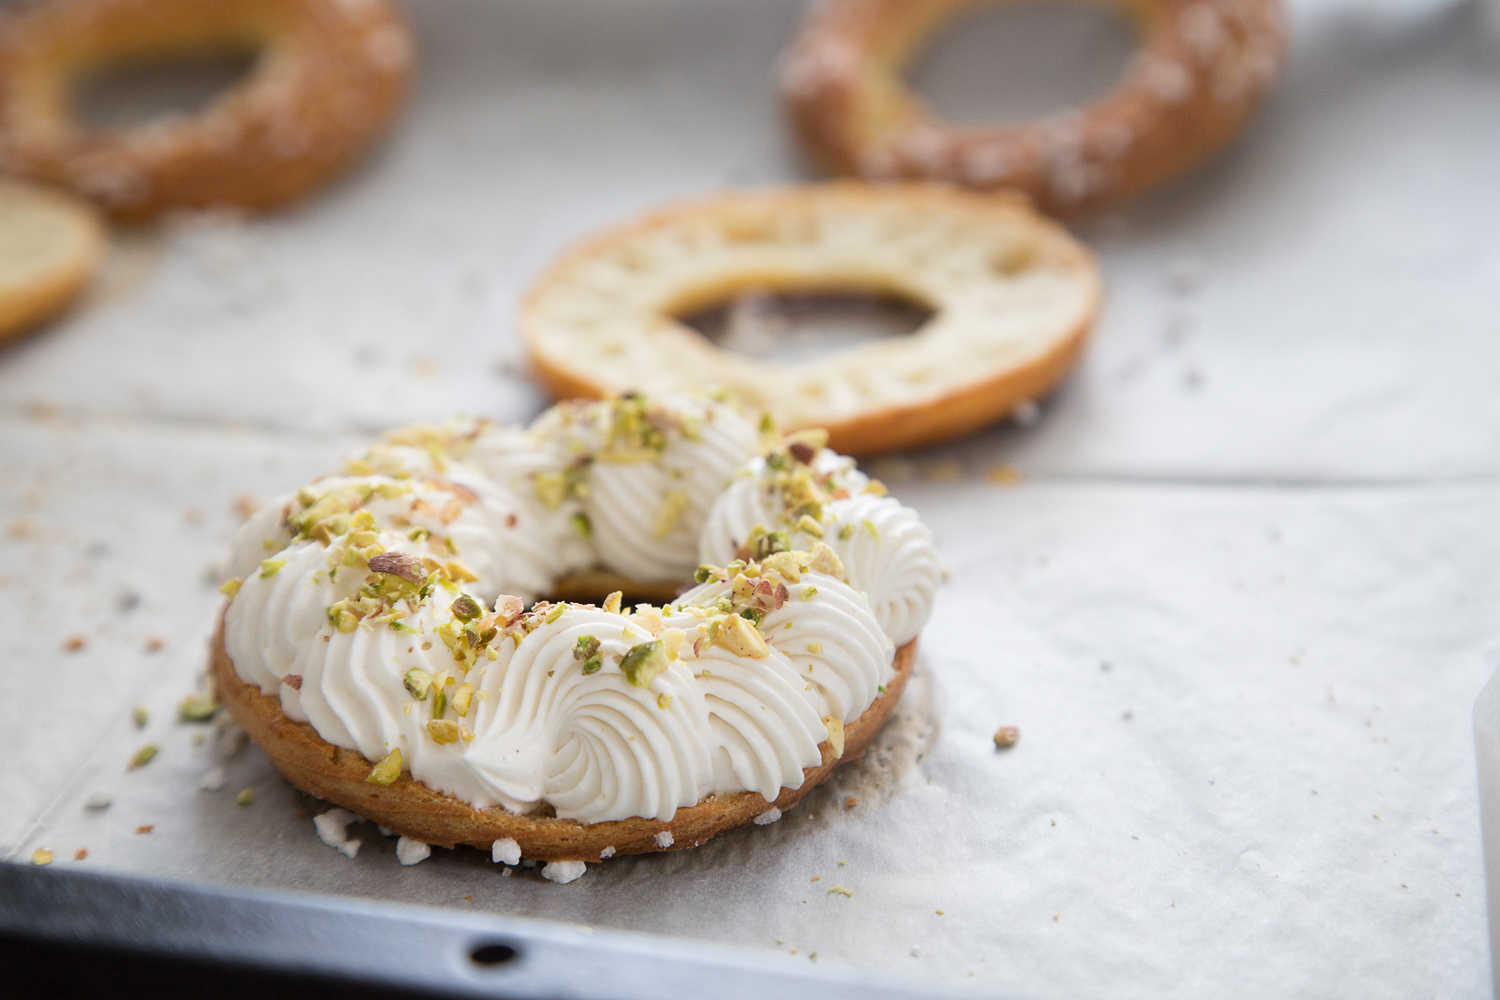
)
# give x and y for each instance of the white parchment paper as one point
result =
(1239, 606)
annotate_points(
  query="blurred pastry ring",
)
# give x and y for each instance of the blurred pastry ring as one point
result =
(327, 77)
(1011, 295)
(1201, 71)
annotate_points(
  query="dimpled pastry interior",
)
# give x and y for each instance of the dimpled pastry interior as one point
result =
(378, 645)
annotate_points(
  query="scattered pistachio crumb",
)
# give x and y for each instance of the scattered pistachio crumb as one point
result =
(841, 891)
(140, 716)
(388, 770)
(197, 708)
(143, 756)
(230, 587)
(246, 796)
(270, 567)
(815, 648)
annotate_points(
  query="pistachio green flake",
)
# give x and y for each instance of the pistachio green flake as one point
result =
(808, 593)
(846, 532)
(139, 715)
(870, 527)
(270, 567)
(841, 891)
(144, 756)
(753, 615)
(197, 708)
(644, 662)
(230, 587)
(704, 573)
(465, 608)
(581, 525)
(585, 647)
(246, 797)
(439, 704)
(808, 525)
(555, 613)
(388, 770)
(418, 682)
(593, 664)
(815, 648)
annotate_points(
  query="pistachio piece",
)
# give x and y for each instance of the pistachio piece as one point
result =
(612, 603)
(388, 770)
(443, 731)
(737, 635)
(408, 568)
(825, 560)
(458, 571)
(644, 662)
(230, 587)
(672, 640)
(270, 567)
(143, 756)
(462, 697)
(418, 682)
(465, 608)
(593, 664)
(585, 647)
(197, 708)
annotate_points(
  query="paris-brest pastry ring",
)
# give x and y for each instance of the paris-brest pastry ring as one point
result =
(328, 77)
(1201, 71)
(378, 646)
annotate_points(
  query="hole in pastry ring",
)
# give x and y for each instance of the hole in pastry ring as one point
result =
(1201, 71)
(329, 76)
(1012, 296)
(414, 810)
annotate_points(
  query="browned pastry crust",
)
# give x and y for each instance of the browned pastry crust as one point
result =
(329, 76)
(413, 810)
(1203, 67)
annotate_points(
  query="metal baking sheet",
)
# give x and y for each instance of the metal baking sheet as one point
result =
(1239, 604)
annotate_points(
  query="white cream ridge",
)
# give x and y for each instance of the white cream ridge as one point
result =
(382, 607)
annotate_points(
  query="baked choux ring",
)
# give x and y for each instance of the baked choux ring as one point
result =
(328, 77)
(1202, 69)
(1011, 293)
(414, 810)
(50, 245)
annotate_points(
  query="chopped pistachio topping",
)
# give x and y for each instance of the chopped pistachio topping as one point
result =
(465, 608)
(674, 505)
(462, 697)
(741, 638)
(644, 662)
(143, 756)
(418, 682)
(704, 573)
(442, 730)
(809, 592)
(815, 648)
(460, 572)
(846, 532)
(672, 640)
(41, 856)
(663, 700)
(270, 567)
(388, 770)
(876, 488)
(230, 587)
(824, 560)
(808, 525)
(585, 647)
(399, 564)
(593, 664)
(439, 703)
(245, 797)
(612, 603)
(870, 527)
(139, 716)
(556, 613)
